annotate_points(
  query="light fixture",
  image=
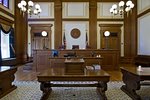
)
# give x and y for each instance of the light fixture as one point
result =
(44, 34)
(122, 8)
(106, 34)
(29, 7)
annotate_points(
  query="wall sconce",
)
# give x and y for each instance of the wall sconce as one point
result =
(44, 34)
(106, 34)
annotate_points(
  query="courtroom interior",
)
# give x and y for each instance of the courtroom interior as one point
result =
(91, 43)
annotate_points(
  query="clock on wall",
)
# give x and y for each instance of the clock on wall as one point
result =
(75, 33)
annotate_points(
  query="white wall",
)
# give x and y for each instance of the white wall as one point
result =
(144, 35)
(143, 28)
(75, 10)
(47, 10)
(81, 41)
(103, 10)
(143, 5)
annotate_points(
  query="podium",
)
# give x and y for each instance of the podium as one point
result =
(74, 66)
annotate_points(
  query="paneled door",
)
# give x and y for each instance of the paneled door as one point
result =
(37, 40)
(113, 41)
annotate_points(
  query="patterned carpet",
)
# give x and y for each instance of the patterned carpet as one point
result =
(30, 90)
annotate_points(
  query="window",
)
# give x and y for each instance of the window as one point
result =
(5, 48)
(6, 42)
(1, 1)
(5, 3)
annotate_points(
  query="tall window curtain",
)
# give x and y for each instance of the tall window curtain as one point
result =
(6, 42)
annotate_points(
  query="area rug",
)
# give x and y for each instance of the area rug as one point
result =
(30, 90)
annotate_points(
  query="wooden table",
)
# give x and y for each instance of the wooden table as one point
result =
(6, 78)
(58, 74)
(74, 66)
(132, 79)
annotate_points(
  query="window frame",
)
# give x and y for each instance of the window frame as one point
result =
(7, 3)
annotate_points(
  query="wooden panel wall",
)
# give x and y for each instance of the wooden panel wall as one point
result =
(93, 24)
(58, 23)
(21, 31)
(130, 27)
(130, 34)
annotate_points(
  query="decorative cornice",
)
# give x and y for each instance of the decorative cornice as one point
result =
(75, 19)
(6, 19)
(7, 13)
(105, 19)
(41, 19)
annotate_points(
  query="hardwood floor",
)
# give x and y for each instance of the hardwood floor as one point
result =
(30, 75)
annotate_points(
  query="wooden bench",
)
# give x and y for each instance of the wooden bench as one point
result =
(142, 60)
(6, 78)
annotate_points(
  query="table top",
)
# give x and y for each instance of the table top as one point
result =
(74, 60)
(58, 74)
(5, 68)
(145, 71)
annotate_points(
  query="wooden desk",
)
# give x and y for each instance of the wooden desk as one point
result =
(58, 74)
(6, 79)
(74, 66)
(132, 78)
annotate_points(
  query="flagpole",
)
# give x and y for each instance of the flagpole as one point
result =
(86, 39)
(64, 40)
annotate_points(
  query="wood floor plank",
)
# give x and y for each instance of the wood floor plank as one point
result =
(30, 75)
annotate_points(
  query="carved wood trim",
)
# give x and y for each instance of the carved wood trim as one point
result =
(7, 13)
(41, 19)
(5, 20)
(144, 13)
(105, 19)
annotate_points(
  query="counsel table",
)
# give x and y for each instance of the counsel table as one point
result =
(132, 78)
(58, 74)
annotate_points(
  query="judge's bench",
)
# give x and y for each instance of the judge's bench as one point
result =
(107, 59)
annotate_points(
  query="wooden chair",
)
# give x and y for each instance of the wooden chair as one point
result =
(75, 46)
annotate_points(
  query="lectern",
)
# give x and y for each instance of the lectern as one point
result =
(74, 66)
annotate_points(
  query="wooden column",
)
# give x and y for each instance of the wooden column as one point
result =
(58, 23)
(21, 31)
(130, 34)
(93, 24)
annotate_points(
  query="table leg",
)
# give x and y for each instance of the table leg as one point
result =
(101, 88)
(132, 83)
(45, 87)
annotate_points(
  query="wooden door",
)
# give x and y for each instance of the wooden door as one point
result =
(112, 41)
(37, 40)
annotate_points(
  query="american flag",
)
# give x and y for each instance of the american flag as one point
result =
(64, 40)
(86, 40)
